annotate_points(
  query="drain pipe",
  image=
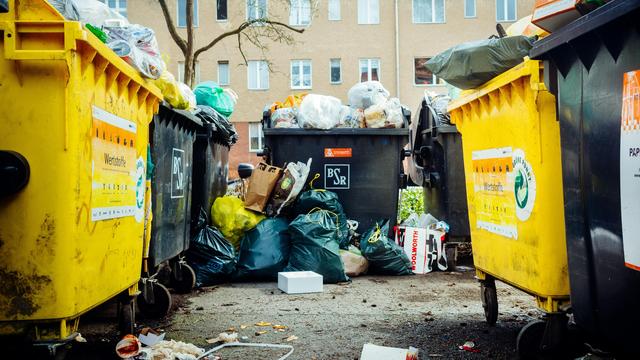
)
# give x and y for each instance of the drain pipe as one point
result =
(397, 52)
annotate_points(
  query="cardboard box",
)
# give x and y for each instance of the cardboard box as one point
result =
(551, 15)
(299, 282)
(420, 247)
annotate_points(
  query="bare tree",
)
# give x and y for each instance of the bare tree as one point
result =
(258, 32)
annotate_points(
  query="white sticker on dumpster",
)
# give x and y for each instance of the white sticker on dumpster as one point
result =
(337, 176)
(178, 169)
(630, 169)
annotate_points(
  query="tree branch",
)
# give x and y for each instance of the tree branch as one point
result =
(240, 29)
(172, 28)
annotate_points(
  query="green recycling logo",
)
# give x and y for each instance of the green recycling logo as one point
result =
(524, 185)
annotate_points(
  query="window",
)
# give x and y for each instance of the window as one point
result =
(181, 72)
(369, 70)
(182, 13)
(334, 10)
(469, 8)
(301, 74)
(300, 13)
(221, 10)
(505, 10)
(119, 6)
(336, 71)
(223, 72)
(368, 12)
(428, 11)
(422, 75)
(255, 137)
(256, 9)
(258, 75)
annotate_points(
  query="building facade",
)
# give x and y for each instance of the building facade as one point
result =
(344, 42)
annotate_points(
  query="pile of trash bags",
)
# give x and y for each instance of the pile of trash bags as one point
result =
(370, 106)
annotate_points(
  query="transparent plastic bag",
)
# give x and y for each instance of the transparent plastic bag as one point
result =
(319, 112)
(351, 117)
(386, 115)
(66, 8)
(138, 46)
(97, 13)
(365, 94)
(188, 95)
(285, 118)
(211, 94)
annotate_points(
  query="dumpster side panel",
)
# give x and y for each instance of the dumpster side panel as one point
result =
(57, 261)
(511, 145)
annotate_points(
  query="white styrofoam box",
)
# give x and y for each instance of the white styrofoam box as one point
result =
(299, 282)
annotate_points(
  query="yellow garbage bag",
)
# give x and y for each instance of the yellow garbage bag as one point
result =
(232, 219)
(172, 91)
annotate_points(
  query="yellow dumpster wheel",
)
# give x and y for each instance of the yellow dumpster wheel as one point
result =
(489, 298)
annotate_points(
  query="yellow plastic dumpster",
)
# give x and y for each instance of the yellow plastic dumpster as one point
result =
(512, 162)
(73, 147)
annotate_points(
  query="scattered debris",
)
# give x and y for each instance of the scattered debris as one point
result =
(290, 338)
(174, 350)
(376, 352)
(150, 337)
(237, 344)
(263, 323)
(262, 332)
(128, 347)
(79, 338)
(232, 329)
(224, 337)
(199, 308)
(278, 327)
(469, 346)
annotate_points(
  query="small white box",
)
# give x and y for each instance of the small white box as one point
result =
(299, 282)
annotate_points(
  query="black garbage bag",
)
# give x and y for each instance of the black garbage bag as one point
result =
(384, 255)
(471, 64)
(225, 132)
(326, 200)
(210, 255)
(314, 246)
(264, 251)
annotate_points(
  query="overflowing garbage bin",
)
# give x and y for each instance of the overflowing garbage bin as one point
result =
(436, 164)
(73, 157)
(593, 66)
(362, 166)
(172, 135)
(511, 147)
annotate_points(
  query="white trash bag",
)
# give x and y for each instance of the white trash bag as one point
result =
(319, 112)
(366, 94)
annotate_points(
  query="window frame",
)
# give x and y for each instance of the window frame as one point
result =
(299, 10)
(117, 9)
(368, 13)
(181, 72)
(475, 9)
(226, 62)
(259, 62)
(433, 13)
(436, 81)
(369, 69)
(301, 63)
(260, 136)
(196, 16)
(266, 10)
(227, 12)
(339, 18)
(339, 67)
(515, 11)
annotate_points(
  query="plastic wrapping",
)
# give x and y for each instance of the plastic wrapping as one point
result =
(384, 255)
(66, 8)
(138, 46)
(365, 94)
(178, 95)
(354, 263)
(264, 251)
(326, 200)
(314, 246)
(284, 118)
(97, 13)
(188, 95)
(437, 104)
(288, 187)
(471, 64)
(233, 220)
(319, 112)
(220, 99)
(225, 131)
(386, 115)
(210, 255)
(351, 118)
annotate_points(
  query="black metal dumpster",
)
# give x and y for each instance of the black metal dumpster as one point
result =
(171, 136)
(210, 170)
(362, 166)
(436, 164)
(587, 65)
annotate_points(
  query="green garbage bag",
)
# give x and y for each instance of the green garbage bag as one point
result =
(210, 94)
(471, 64)
(264, 251)
(326, 200)
(384, 255)
(314, 246)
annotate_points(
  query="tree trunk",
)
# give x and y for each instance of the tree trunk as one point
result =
(189, 67)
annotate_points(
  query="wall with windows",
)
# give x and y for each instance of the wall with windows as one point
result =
(348, 41)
